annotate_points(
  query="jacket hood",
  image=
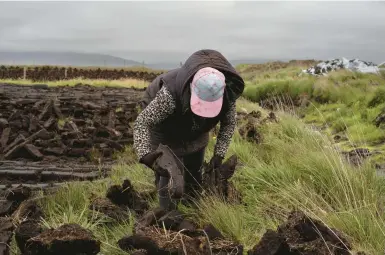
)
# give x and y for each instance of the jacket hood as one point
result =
(209, 58)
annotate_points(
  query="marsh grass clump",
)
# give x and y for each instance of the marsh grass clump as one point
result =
(377, 98)
(298, 168)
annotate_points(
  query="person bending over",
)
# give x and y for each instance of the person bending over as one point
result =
(180, 107)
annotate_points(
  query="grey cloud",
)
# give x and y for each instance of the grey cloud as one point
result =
(170, 31)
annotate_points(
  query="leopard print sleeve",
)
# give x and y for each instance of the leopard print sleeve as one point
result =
(156, 111)
(226, 131)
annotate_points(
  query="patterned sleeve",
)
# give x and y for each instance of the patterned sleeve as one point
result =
(156, 111)
(226, 131)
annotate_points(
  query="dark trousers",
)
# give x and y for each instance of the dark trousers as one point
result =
(192, 180)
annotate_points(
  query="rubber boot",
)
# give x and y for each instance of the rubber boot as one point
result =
(192, 175)
(165, 201)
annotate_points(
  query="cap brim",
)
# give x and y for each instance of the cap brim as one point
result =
(204, 108)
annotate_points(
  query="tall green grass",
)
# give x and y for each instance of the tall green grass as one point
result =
(343, 102)
(341, 86)
(298, 168)
(355, 121)
(273, 88)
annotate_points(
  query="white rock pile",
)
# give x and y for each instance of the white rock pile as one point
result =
(354, 65)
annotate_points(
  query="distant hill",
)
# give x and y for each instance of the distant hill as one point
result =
(252, 61)
(171, 65)
(164, 65)
(64, 58)
(94, 59)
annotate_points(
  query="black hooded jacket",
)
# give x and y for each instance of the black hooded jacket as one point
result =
(175, 131)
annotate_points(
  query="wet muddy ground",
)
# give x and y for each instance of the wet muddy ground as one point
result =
(56, 134)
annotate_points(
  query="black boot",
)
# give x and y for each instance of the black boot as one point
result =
(165, 201)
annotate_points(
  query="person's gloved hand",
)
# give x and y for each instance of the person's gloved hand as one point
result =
(215, 162)
(150, 158)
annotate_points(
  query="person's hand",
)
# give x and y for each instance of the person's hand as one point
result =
(215, 162)
(150, 158)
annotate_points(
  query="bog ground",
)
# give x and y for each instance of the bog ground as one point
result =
(303, 176)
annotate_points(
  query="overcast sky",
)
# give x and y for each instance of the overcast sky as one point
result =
(169, 31)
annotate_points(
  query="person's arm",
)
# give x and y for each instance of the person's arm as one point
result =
(162, 106)
(226, 132)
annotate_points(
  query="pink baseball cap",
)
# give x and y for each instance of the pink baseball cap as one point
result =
(207, 89)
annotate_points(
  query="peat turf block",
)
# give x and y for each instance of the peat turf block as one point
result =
(6, 228)
(106, 207)
(150, 217)
(171, 220)
(271, 243)
(155, 242)
(28, 210)
(67, 239)
(212, 232)
(18, 194)
(302, 235)
(126, 195)
(36, 123)
(6, 208)
(25, 231)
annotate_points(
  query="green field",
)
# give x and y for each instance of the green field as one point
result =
(294, 167)
(343, 103)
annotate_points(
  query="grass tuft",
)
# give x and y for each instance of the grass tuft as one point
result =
(298, 168)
